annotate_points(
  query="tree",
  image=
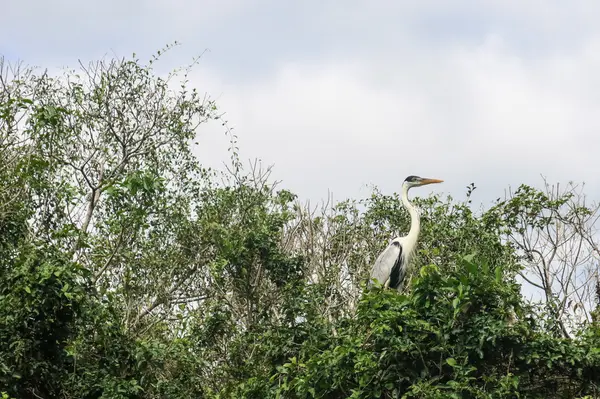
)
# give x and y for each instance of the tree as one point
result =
(128, 270)
(554, 232)
(98, 175)
(450, 336)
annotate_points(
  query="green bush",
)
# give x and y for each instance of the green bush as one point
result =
(128, 270)
(464, 334)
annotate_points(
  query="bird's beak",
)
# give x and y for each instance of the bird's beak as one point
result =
(430, 181)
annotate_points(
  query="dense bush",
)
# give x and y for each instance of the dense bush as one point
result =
(127, 270)
(464, 333)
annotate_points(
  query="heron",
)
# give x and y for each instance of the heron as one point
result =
(391, 265)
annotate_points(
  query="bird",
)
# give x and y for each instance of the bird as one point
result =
(391, 265)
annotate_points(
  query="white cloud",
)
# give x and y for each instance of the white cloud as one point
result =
(495, 92)
(468, 113)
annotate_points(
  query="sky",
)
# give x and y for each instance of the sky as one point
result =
(342, 95)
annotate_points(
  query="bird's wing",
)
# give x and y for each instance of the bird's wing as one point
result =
(388, 265)
(398, 270)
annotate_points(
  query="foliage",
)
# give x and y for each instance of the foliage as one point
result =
(128, 270)
(453, 335)
(553, 231)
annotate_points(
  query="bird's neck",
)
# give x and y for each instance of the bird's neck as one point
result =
(415, 224)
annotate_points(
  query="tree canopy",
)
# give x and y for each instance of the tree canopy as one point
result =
(129, 270)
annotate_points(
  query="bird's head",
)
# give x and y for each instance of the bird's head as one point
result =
(416, 181)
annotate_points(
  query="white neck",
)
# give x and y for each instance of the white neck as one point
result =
(415, 225)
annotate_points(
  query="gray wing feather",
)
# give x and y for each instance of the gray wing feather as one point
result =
(390, 259)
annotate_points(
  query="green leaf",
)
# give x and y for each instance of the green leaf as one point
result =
(469, 258)
(455, 303)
